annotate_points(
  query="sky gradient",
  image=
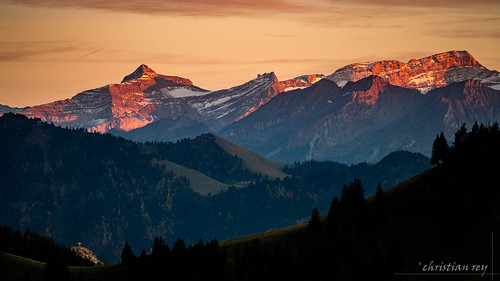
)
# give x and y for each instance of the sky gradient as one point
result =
(53, 49)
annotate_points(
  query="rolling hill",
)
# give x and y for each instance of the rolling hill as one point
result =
(103, 190)
(199, 182)
(253, 161)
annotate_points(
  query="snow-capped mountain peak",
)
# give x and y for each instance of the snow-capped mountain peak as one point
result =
(144, 96)
(423, 74)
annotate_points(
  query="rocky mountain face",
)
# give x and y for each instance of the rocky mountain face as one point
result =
(363, 121)
(299, 118)
(6, 109)
(283, 86)
(87, 254)
(142, 97)
(165, 129)
(145, 96)
(423, 74)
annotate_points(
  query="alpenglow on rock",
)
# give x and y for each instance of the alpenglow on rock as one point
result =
(422, 74)
(145, 96)
(366, 111)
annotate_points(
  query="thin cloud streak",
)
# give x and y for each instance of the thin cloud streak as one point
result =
(33, 51)
(420, 3)
(93, 52)
(255, 8)
(468, 33)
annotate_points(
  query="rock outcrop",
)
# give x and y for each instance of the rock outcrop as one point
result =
(279, 87)
(145, 96)
(87, 254)
(423, 74)
(363, 121)
(142, 96)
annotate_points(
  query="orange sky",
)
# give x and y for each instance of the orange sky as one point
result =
(53, 49)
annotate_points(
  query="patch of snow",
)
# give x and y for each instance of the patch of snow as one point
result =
(495, 87)
(183, 92)
(423, 82)
(317, 79)
(288, 89)
(214, 102)
(341, 84)
(225, 113)
(363, 65)
(96, 122)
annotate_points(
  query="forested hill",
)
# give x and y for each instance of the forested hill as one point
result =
(103, 190)
(438, 225)
(78, 186)
(100, 189)
(38, 247)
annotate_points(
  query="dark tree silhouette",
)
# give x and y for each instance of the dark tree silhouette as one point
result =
(439, 150)
(379, 193)
(314, 223)
(460, 136)
(380, 215)
(128, 256)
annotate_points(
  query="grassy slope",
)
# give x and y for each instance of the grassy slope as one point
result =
(108, 272)
(252, 161)
(204, 184)
(294, 233)
(418, 237)
(13, 267)
(289, 235)
(200, 182)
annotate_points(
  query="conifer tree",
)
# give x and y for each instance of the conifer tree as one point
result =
(380, 205)
(460, 136)
(440, 149)
(314, 223)
(334, 209)
(127, 256)
(158, 247)
(379, 193)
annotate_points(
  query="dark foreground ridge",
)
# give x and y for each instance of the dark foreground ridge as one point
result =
(438, 222)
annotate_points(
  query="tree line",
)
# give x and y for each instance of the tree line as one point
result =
(38, 247)
(361, 239)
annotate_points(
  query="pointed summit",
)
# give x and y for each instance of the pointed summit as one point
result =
(143, 71)
(139, 72)
(271, 75)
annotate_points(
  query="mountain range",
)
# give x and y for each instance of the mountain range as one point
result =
(363, 121)
(360, 112)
